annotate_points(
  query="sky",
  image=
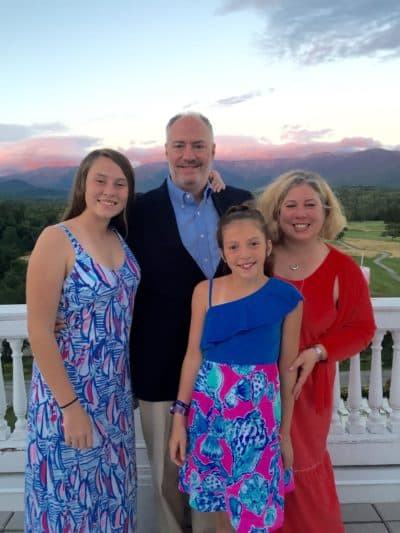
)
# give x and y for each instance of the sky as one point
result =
(277, 78)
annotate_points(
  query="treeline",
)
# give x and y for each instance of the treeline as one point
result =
(20, 225)
(22, 221)
(370, 203)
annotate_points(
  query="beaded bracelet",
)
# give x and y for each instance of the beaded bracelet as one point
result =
(179, 407)
(69, 403)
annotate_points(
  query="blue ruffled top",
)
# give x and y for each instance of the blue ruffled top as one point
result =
(248, 331)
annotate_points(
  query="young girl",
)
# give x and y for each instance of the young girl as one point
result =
(81, 471)
(242, 325)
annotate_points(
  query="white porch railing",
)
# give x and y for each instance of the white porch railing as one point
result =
(364, 439)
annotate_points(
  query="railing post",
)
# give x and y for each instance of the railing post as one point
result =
(354, 424)
(375, 421)
(394, 396)
(19, 392)
(4, 427)
(336, 427)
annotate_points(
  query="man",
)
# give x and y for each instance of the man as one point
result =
(173, 237)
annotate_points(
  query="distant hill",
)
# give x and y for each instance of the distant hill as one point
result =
(59, 178)
(375, 167)
(370, 167)
(18, 189)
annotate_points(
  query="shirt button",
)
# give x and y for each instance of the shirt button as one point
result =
(202, 236)
(205, 260)
(198, 213)
(183, 207)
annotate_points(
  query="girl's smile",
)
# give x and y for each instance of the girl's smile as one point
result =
(245, 248)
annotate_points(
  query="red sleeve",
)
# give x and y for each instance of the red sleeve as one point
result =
(354, 326)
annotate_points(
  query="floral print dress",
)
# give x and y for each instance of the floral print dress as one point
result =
(234, 461)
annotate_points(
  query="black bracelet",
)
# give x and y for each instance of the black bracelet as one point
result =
(69, 403)
(182, 404)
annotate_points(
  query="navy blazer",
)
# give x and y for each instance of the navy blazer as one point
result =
(161, 317)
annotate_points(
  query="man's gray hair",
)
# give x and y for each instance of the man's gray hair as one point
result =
(192, 114)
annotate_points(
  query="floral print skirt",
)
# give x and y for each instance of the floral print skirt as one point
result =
(234, 462)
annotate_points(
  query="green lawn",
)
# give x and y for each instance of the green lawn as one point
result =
(361, 236)
(393, 263)
(381, 283)
(369, 229)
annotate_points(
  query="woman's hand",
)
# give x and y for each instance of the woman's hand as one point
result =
(304, 364)
(216, 182)
(78, 431)
(177, 441)
(287, 452)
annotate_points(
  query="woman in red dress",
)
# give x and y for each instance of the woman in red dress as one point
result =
(302, 211)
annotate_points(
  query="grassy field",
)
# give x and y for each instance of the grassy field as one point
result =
(369, 229)
(364, 242)
(393, 263)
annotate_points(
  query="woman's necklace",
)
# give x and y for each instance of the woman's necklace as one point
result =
(294, 266)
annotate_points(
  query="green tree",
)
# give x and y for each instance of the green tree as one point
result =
(392, 229)
(12, 285)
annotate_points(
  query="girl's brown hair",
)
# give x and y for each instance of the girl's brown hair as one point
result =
(248, 212)
(77, 203)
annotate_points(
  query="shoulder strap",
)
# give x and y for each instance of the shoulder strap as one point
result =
(210, 284)
(75, 243)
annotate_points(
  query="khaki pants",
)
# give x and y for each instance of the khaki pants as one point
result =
(171, 505)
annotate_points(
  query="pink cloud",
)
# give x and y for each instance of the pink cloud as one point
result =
(39, 152)
(236, 147)
(29, 154)
(299, 134)
(144, 155)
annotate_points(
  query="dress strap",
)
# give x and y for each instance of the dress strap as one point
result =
(75, 243)
(210, 284)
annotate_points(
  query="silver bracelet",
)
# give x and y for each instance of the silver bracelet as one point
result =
(319, 351)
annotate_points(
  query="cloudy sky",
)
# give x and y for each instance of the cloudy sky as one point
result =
(277, 78)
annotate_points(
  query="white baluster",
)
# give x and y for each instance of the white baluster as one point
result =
(394, 396)
(336, 427)
(375, 421)
(355, 424)
(4, 427)
(19, 392)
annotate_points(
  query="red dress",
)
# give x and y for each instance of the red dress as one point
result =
(343, 329)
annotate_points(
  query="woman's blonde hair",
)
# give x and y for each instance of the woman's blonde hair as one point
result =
(270, 202)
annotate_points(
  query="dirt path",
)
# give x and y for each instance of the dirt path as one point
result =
(370, 252)
(378, 261)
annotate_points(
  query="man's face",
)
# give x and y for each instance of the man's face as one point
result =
(190, 152)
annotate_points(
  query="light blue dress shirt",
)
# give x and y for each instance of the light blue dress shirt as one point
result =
(197, 225)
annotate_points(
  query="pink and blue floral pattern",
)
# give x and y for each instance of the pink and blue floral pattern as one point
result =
(93, 490)
(234, 460)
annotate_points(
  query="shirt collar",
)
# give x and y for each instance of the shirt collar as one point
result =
(180, 196)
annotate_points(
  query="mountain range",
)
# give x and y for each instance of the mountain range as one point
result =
(375, 167)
